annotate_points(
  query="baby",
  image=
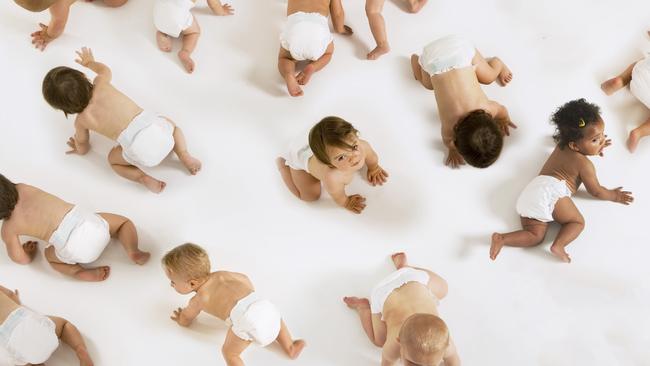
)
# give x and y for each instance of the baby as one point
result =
(472, 125)
(145, 138)
(334, 154)
(27, 337)
(579, 134)
(59, 11)
(173, 18)
(230, 297)
(402, 317)
(378, 26)
(637, 76)
(75, 235)
(306, 37)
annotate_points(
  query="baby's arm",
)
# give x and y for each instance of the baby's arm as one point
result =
(219, 9)
(80, 142)
(589, 178)
(59, 12)
(454, 159)
(376, 174)
(185, 317)
(355, 203)
(390, 354)
(502, 117)
(325, 59)
(11, 294)
(19, 253)
(87, 59)
(451, 357)
(338, 18)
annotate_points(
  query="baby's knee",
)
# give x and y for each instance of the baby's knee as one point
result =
(309, 196)
(114, 154)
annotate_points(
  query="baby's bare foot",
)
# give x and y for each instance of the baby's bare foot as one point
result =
(186, 60)
(415, 66)
(152, 184)
(399, 260)
(633, 140)
(164, 42)
(560, 253)
(416, 6)
(304, 76)
(192, 164)
(612, 85)
(84, 358)
(497, 244)
(296, 348)
(31, 248)
(293, 87)
(505, 76)
(93, 274)
(356, 302)
(139, 257)
(378, 51)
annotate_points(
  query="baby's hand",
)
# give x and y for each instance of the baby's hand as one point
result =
(40, 38)
(355, 203)
(176, 316)
(623, 197)
(377, 176)
(76, 148)
(30, 247)
(608, 142)
(85, 57)
(222, 10)
(505, 126)
(454, 159)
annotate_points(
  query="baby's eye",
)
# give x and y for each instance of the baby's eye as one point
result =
(355, 147)
(340, 158)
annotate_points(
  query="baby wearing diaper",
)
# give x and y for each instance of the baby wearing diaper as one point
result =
(472, 126)
(174, 19)
(76, 236)
(402, 317)
(306, 38)
(579, 133)
(230, 297)
(144, 138)
(333, 154)
(59, 11)
(29, 338)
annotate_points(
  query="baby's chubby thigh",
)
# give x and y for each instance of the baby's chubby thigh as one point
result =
(565, 211)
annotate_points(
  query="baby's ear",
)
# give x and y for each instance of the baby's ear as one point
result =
(572, 145)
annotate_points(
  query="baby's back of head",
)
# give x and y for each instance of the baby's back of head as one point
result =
(478, 139)
(67, 89)
(35, 5)
(189, 261)
(424, 338)
(8, 197)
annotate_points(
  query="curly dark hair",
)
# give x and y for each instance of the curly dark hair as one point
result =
(571, 119)
(67, 89)
(8, 197)
(478, 138)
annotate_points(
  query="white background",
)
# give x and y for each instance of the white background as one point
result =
(524, 309)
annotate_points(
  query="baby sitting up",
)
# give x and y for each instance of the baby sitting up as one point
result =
(145, 138)
(402, 317)
(173, 18)
(637, 76)
(378, 26)
(334, 154)
(472, 125)
(230, 297)
(27, 337)
(75, 235)
(579, 133)
(306, 37)
(59, 11)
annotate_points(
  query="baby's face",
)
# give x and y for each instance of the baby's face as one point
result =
(347, 159)
(594, 138)
(179, 284)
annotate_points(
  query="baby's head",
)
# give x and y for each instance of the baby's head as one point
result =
(67, 89)
(8, 197)
(578, 125)
(186, 266)
(35, 5)
(423, 340)
(335, 142)
(478, 138)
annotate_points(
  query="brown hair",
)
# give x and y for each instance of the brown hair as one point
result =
(8, 197)
(67, 89)
(330, 131)
(35, 5)
(478, 138)
(189, 261)
(424, 336)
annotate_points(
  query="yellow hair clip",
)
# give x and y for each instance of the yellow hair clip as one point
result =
(582, 123)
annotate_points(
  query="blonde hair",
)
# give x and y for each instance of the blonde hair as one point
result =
(189, 261)
(424, 336)
(35, 5)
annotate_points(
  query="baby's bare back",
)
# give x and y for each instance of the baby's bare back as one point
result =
(109, 111)
(309, 6)
(222, 291)
(37, 213)
(565, 165)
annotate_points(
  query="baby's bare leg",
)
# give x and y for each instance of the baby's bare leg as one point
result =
(377, 27)
(70, 335)
(164, 41)
(233, 348)
(437, 284)
(302, 184)
(419, 74)
(487, 71)
(532, 234)
(416, 5)
(637, 134)
(75, 270)
(566, 213)
(124, 169)
(362, 307)
(123, 229)
(291, 348)
(616, 83)
(190, 39)
(192, 164)
(287, 68)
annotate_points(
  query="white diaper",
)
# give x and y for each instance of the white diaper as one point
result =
(446, 54)
(257, 320)
(81, 237)
(27, 337)
(391, 283)
(147, 140)
(306, 36)
(538, 199)
(640, 84)
(173, 16)
(298, 155)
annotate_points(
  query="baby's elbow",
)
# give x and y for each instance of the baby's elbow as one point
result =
(21, 258)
